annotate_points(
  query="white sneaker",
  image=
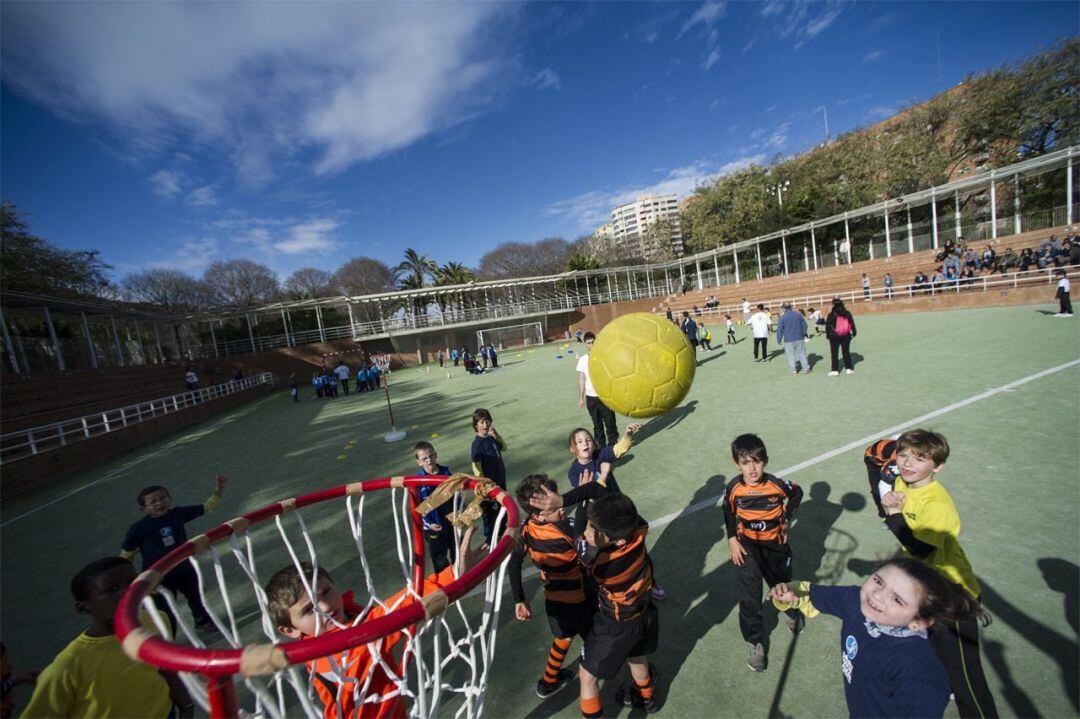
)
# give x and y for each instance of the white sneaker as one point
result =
(849, 371)
(834, 373)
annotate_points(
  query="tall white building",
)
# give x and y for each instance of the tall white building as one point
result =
(630, 222)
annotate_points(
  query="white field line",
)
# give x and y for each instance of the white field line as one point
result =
(858, 443)
(128, 465)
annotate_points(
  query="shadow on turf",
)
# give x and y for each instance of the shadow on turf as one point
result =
(697, 600)
(1060, 575)
(664, 421)
(711, 356)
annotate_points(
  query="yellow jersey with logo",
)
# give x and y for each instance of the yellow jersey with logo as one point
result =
(930, 513)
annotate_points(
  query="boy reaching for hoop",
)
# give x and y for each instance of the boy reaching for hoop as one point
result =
(569, 601)
(163, 530)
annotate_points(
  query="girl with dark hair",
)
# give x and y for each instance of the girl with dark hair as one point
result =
(889, 666)
(840, 330)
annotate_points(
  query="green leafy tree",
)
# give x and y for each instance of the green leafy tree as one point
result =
(31, 264)
(579, 261)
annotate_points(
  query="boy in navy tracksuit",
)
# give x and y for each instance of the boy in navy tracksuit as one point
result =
(438, 530)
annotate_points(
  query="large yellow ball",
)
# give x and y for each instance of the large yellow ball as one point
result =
(641, 365)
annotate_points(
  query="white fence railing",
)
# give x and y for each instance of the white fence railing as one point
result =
(29, 442)
(823, 301)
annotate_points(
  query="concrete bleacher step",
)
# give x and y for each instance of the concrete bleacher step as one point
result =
(821, 284)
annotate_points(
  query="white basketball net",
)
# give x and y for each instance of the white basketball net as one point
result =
(449, 656)
(382, 361)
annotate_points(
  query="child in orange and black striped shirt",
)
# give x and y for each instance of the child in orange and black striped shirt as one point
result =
(569, 600)
(757, 510)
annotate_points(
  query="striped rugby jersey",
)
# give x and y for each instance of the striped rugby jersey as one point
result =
(756, 512)
(623, 576)
(550, 546)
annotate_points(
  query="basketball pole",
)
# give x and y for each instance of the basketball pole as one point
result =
(395, 434)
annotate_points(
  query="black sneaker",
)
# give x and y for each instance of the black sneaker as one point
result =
(546, 689)
(205, 624)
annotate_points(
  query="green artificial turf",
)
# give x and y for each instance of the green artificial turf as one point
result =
(1012, 473)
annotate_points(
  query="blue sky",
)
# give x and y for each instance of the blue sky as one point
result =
(303, 134)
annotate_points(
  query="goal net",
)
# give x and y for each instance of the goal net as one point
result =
(526, 335)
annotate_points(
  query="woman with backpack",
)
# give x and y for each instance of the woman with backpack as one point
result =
(840, 329)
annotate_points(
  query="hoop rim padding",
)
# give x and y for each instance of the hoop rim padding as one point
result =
(268, 658)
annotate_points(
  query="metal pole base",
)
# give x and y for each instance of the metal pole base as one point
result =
(395, 435)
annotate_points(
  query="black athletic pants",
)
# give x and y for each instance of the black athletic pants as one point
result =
(345, 385)
(837, 344)
(183, 580)
(957, 647)
(1066, 303)
(763, 343)
(605, 432)
(771, 563)
(440, 547)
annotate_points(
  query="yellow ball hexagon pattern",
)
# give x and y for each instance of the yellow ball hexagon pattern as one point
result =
(641, 365)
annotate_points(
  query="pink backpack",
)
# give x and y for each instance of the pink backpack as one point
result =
(843, 326)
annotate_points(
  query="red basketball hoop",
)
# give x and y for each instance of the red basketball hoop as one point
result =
(419, 681)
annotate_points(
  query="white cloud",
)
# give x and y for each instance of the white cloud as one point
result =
(166, 183)
(261, 82)
(711, 59)
(547, 78)
(202, 197)
(193, 255)
(771, 8)
(313, 236)
(708, 15)
(873, 55)
(805, 20)
(592, 209)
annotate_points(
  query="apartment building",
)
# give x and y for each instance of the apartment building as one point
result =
(626, 237)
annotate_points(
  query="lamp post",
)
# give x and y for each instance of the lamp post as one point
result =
(778, 191)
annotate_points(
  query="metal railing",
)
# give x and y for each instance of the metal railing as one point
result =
(984, 283)
(29, 442)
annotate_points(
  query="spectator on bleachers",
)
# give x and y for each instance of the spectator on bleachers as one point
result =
(888, 284)
(937, 281)
(1009, 261)
(988, 258)
(1027, 259)
(712, 303)
(865, 287)
(970, 260)
(919, 284)
(191, 379)
(1042, 254)
(952, 277)
(967, 277)
(1074, 251)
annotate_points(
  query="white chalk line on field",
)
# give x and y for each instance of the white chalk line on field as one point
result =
(128, 465)
(858, 443)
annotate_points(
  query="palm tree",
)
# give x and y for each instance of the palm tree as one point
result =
(418, 267)
(452, 273)
(412, 273)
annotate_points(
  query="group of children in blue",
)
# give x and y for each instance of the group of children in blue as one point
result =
(461, 357)
(327, 381)
(909, 634)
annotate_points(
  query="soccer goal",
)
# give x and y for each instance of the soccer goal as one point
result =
(526, 335)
